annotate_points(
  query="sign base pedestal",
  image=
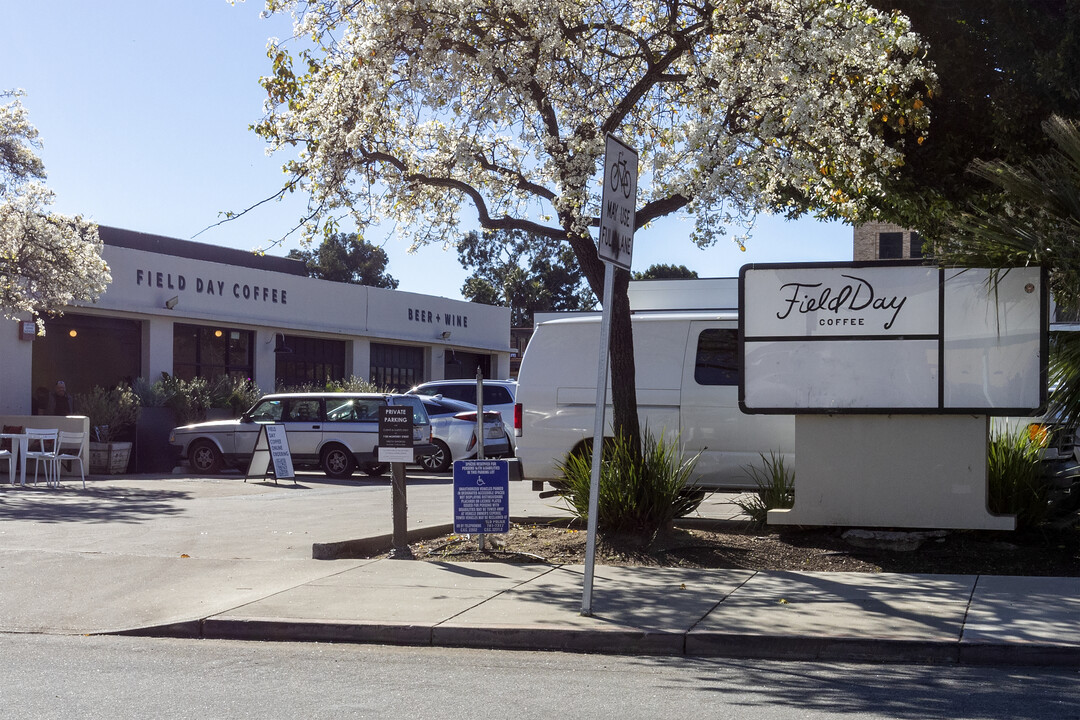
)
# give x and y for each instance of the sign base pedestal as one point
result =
(902, 471)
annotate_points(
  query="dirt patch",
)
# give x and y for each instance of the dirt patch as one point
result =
(741, 545)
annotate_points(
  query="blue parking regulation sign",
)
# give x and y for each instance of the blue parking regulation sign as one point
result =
(481, 497)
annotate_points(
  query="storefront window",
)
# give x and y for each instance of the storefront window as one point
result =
(463, 365)
(84, 351)
(397, 367)
(211, 352)
(311, 362)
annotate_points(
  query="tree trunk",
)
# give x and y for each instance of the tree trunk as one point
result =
(623, 374)
(621, 341)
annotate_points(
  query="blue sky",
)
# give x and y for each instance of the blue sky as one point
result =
(143, 108)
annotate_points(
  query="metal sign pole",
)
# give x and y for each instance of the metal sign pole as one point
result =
(598, 438)
(615, 246)
(480, 429)
(400, 512)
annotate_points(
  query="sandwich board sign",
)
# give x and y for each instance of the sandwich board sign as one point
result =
(271, 456)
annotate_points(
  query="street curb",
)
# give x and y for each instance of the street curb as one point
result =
(1033, 654)
(189, 630)
(376, 545)
(315, 631)
(833, 649)
(622, 641)
(614, 641)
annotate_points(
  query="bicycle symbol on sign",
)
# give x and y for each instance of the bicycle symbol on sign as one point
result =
(621, 178)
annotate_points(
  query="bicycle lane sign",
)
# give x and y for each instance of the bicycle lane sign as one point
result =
(618, 204)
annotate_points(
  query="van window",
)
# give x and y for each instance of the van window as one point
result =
(717, 357)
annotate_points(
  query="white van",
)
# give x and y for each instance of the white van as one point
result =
(687, 388)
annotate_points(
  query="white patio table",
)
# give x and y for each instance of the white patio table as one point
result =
(18, 450)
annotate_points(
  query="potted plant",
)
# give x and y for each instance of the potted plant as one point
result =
(113, 413)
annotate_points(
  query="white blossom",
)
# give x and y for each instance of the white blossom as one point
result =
(410, 110)
(47, 260)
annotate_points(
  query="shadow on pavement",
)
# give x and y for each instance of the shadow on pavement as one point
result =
(895, 691)
(92, 505)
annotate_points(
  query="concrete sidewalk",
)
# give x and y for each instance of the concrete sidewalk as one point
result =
(217, 557)
(733, 613)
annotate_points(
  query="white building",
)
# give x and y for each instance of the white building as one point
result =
(191, 309)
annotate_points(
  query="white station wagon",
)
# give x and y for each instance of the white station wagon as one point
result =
(337, 432)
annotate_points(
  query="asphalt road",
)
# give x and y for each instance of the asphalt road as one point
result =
(116, 677)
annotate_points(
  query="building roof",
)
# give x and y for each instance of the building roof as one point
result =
(199, 251)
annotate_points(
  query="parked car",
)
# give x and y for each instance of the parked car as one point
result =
(498, 395)
(453, 432)
(337, 432)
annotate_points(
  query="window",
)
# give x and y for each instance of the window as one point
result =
(890, 245)
(916, 245)
(84, 351)
(346, 409)
(461, 365)
(268, 411)
(211, 352)
(397, 367)
(717, 358)
(303, 410)
(313, 361)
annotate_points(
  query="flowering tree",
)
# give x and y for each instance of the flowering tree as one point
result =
(46, 260)
(415, 110)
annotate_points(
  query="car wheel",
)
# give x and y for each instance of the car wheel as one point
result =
(439, 460)
(338, 462)
(205, 458)
(374, 469)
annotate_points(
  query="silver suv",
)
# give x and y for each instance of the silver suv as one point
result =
(337, 432)
(498, 395)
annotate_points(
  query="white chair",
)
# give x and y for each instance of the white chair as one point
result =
(73, 441)
(41, 448)
(6, 455)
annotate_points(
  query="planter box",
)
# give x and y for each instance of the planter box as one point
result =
(152, 450)
(109, 458)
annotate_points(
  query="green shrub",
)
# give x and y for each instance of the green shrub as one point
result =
(352, 384)
(150, 394)
(775, 488)
(235, 394)
(1017, 486)
(112, 412)
(639, 495)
